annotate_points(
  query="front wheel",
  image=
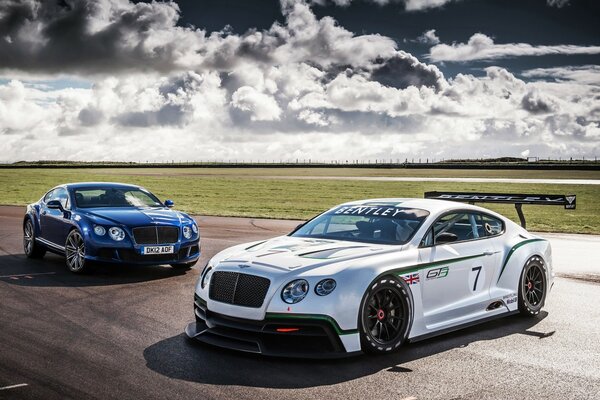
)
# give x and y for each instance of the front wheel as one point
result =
(385, 315)
(75, 253)
(32, 248)
(532, 287)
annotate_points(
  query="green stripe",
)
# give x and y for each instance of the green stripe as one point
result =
(320, 317)
(418, 267)
(514, 248)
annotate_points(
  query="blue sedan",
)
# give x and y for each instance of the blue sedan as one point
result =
(109, 222)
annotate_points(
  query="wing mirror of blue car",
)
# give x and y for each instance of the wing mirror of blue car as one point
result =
(445, 237)
(55, 205)
(169, 203)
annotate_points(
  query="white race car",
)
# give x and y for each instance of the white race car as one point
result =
(369, 276)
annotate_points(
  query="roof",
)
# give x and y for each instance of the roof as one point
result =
(82, 185)
(432, 205)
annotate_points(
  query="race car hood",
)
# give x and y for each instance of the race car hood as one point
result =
(285, 254)
(136, 216)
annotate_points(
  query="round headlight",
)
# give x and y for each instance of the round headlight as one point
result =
(205, 278)
(99, 230)
(195, 228)
(325, 287)
(294, 291)
(187, 232)
(116, 233)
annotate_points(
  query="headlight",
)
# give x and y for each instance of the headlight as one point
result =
(187, 232)
(99, 230)
(205, 276)
(195, 228)
(325, 287)
(294, 291)
(116, 233)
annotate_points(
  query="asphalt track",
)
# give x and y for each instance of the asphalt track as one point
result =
(118, 334)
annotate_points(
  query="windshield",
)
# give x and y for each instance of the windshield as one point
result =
(115, 197)
(365, 223)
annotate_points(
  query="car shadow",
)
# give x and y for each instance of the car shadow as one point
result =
(50, 271)
(181, 358)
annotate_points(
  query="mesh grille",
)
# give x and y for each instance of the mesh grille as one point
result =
(155, 234)
(238, 289)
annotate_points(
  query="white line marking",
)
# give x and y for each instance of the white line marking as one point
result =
(410, 398)
(17, 275)
(13, 386)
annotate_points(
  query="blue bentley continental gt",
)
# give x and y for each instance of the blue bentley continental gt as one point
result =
(112, 223)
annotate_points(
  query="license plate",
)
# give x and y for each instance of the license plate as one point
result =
(157, 250)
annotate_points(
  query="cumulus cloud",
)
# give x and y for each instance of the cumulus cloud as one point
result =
(482, 47)
(557, 3)
(303, 88)
(429, 37)
(588, 74)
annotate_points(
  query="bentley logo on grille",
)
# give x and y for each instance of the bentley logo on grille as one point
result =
(243, 266)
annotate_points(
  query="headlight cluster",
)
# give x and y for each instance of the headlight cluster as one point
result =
(114, 232)
(187, 231)
(297, 290)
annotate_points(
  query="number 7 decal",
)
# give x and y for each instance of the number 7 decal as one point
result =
(478, 269)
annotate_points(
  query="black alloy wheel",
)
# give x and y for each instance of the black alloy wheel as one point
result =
(532, 287)
(386, 315)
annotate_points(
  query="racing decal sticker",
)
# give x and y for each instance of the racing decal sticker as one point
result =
(437, 273)
(383, 211)
(411, 279)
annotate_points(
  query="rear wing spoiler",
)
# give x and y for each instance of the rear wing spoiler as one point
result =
(569, 201)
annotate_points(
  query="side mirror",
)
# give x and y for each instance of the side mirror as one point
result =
(446, 237)
(55, 205)
(169, 203)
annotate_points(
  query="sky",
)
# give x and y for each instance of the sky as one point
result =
(320, 80)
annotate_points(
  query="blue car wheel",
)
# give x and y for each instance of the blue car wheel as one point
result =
(30, 246)
(75, 253)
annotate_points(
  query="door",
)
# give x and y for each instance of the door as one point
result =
(456, 284)
(55, 223)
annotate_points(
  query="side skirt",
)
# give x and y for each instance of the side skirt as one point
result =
(53, 247)
(461, 326)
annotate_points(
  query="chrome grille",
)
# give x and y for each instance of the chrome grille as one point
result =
(155, 234)
(238, 289)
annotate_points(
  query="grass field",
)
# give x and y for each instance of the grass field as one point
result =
(257, 192)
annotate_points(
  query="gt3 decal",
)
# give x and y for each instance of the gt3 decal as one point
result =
(437, 273)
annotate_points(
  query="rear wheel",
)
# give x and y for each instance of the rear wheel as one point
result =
(532, 287)
(32, 248)
(75, 253)
(385, 316)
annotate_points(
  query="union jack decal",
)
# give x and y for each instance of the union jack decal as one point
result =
(411, 279)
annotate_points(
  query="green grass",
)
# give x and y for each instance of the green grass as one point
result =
(253, 193)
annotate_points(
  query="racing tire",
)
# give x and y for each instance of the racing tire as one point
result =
(533, 287)
(31, 247)
(385, 315)
(75, 253)
(183, 266)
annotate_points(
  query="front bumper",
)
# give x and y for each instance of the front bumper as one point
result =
(293, 336)
(184, 253)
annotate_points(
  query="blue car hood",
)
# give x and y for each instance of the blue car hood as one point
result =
(137, 216)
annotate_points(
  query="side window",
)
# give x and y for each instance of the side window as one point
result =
(61, 195)
(49, 196)
(492, 226)
(458, 224)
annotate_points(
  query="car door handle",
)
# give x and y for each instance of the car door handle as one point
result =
(489, 253)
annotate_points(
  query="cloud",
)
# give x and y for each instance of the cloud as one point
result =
(429, 37)
(587, 74)
(482, 47)
(557, 3)
(303, 88)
